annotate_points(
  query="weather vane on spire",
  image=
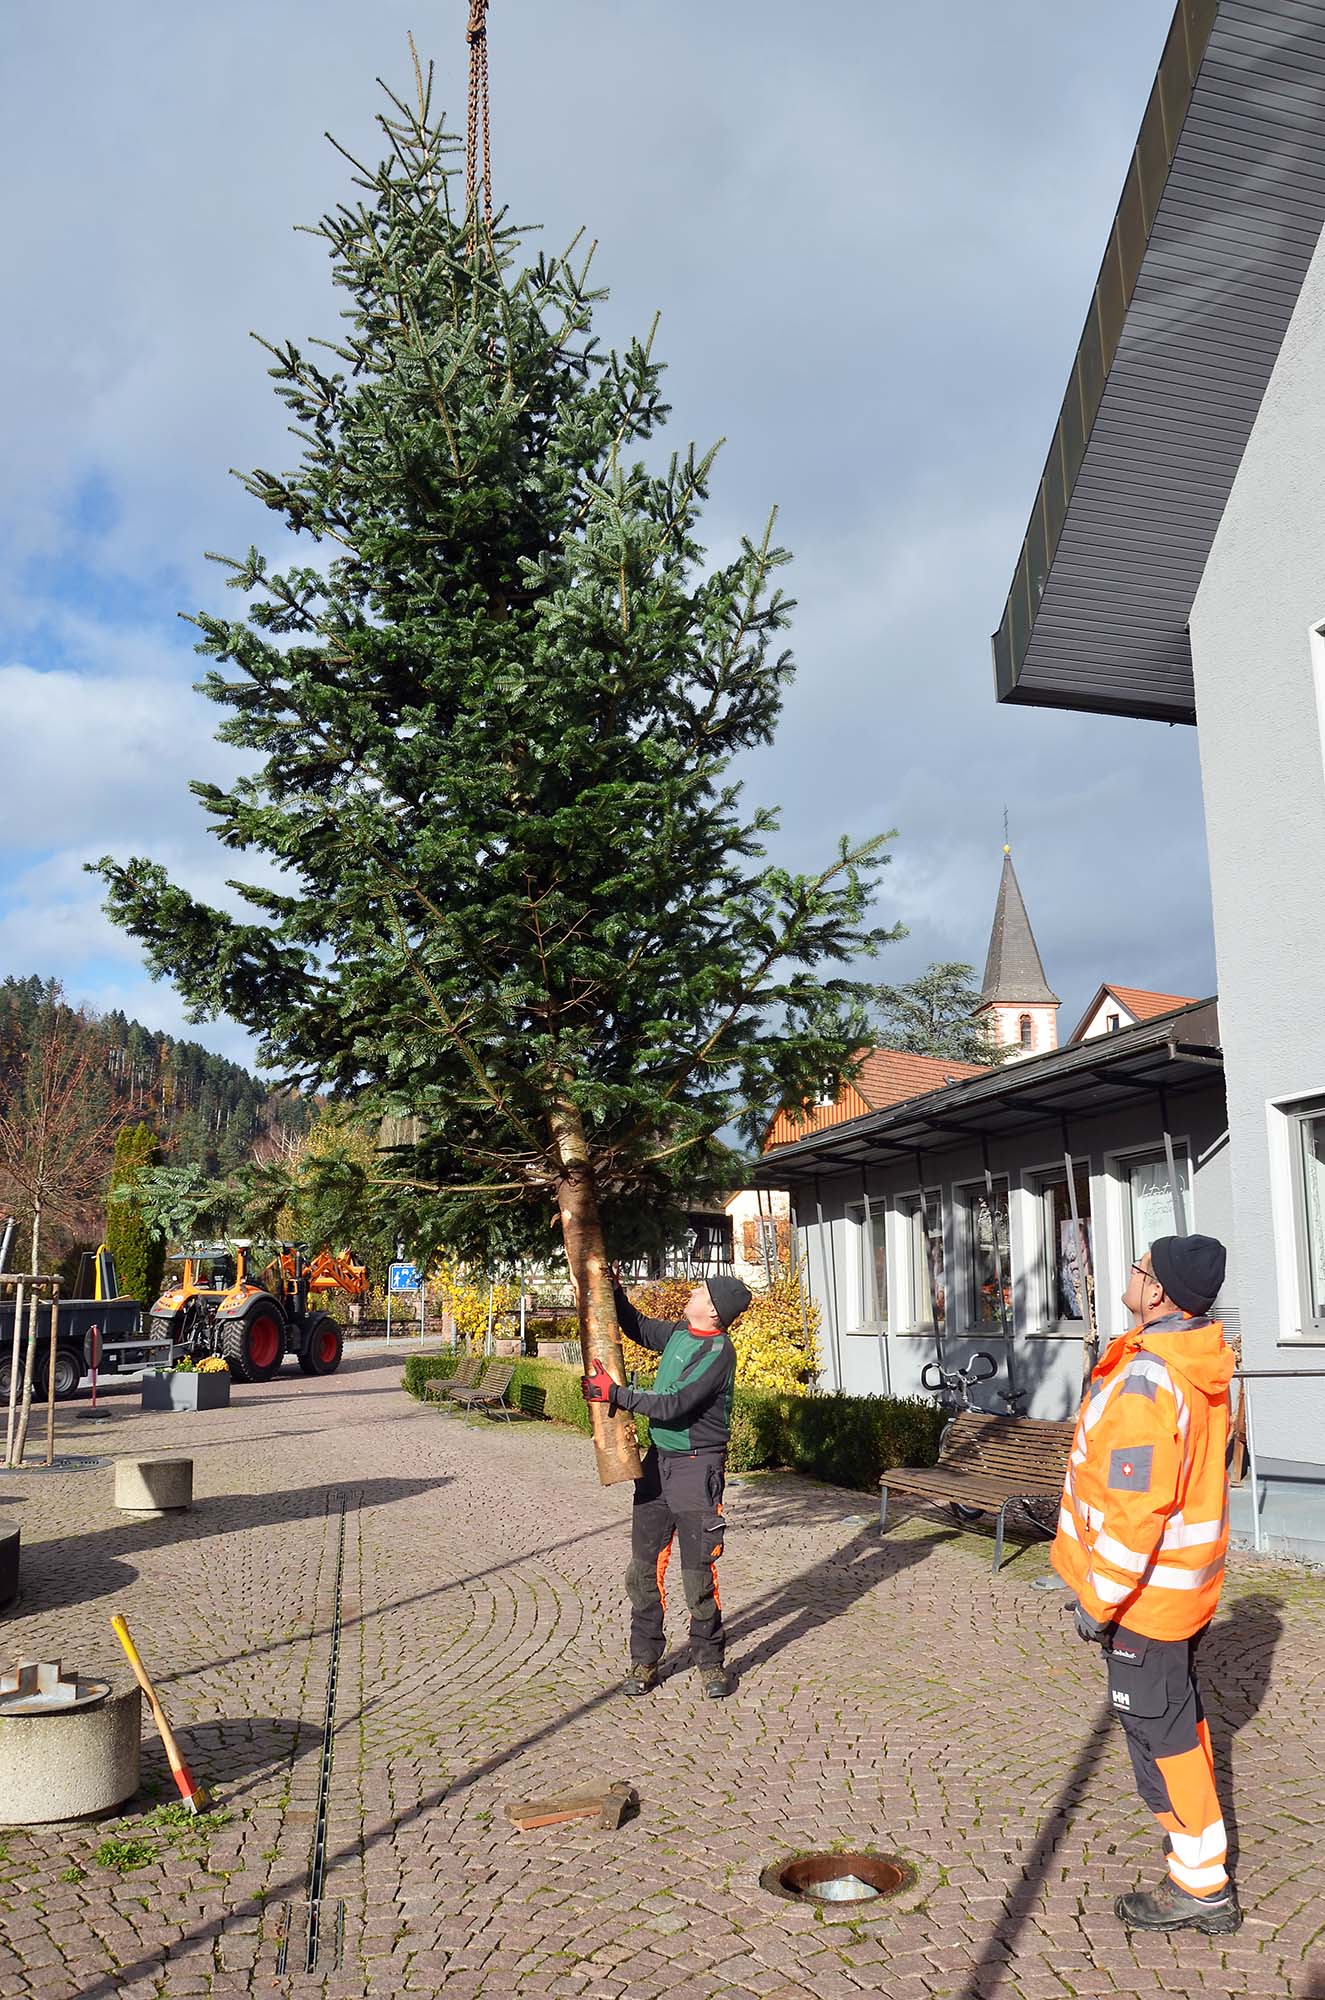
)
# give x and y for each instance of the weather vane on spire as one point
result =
(1007, 845)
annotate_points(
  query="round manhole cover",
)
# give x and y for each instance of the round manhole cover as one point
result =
(838, 1878)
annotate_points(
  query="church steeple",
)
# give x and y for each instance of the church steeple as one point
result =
(1016, 998)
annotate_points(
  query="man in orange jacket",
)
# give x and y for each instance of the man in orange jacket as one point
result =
(1141, 1540)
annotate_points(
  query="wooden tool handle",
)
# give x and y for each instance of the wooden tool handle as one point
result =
(143, 1679)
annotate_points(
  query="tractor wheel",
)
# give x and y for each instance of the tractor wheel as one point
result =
(254, 1346)
(323, 1346)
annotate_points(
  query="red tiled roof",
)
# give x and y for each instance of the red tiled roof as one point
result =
(1140, 1002)
(886, 1077)
(889, 1076)
(1145, 1005)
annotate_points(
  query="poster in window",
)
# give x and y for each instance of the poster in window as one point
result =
(1075, 1277)
(1152, 1202)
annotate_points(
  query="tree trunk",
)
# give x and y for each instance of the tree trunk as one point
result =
(600, 1336)
(25, 1414)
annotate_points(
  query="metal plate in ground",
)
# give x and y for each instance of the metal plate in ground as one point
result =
(60, 1465)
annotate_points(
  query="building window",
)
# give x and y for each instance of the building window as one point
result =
(987, 1257)
(1307, 1128)
(1113, 1022)
(1149, 1205)
(927, 1276)
(1024, 1030)
(872, 1303)
(1067, 1266)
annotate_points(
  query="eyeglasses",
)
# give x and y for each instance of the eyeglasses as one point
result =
(1146, 1274)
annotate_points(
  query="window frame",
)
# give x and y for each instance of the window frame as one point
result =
(1048, 1323)
(1298, 1115)
(1137, 1156)
(907, 1208)
(965, 1195)
(880, 1209)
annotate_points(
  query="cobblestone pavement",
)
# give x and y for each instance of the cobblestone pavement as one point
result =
(892, 1694)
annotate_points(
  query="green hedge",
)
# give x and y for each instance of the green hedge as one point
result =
(847, 1440)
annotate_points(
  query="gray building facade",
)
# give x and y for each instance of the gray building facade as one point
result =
(1174, 567)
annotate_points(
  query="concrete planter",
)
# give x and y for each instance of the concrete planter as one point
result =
(78, 1765)
(153, 1485)
(9, 1562)
(168, 1389)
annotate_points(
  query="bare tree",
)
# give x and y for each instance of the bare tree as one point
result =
(57, 1128)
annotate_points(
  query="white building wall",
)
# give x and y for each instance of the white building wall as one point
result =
(1260, 728)
(1098, 1024)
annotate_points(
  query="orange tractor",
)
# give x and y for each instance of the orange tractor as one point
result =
(214, 1306)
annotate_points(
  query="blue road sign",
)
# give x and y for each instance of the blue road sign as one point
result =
(404, 1278)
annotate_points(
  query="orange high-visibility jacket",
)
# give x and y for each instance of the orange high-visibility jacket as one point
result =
(1144, 1520)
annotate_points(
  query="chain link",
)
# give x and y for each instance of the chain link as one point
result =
(477, 36)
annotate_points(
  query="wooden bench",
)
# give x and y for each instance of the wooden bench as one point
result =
(490, 1393)
(986, 1464)
(441, 1388)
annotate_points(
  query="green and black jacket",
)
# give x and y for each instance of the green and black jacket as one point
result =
(689, 1407)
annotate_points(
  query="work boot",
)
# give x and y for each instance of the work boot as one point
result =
(1170, 1908)
(642, 1678)
(717, 1682)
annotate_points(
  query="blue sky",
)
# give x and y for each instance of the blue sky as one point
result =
(873, 243)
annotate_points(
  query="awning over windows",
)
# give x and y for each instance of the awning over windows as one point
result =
(1157, 1060)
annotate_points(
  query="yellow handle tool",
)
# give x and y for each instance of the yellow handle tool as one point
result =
(194, 1795)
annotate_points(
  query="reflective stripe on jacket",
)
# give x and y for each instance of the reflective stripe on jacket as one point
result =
(1143, 1524)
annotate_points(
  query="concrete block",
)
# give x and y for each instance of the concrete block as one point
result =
(77, 1765)
(153, 1485)
(9, 1541)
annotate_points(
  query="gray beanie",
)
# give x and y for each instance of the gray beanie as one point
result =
(1190, 1268)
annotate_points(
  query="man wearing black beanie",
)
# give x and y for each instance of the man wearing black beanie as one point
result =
(1141, 1540)
(679, 1493)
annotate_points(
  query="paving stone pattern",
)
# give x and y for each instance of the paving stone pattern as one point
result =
(892, 1695)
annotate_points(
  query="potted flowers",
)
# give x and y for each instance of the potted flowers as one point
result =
(189, 1385)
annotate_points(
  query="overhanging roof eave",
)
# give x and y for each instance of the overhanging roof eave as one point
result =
(1221, 212)
(1045, 1090)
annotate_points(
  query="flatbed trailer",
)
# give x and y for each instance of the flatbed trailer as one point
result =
(100, 1328)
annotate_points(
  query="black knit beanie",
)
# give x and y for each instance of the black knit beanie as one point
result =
(1190, 1268)
(730, 1298)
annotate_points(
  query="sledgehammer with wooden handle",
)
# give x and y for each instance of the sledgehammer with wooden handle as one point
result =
(195, 1796)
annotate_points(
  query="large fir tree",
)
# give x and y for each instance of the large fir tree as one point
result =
(522, 906)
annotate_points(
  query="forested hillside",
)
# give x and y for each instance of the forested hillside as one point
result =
(203, 1108)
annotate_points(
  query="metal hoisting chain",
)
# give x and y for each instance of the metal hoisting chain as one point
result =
(477, 36)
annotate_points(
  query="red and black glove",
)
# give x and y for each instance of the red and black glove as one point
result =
(597, 1384)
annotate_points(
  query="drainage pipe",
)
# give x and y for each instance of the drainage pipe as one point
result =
(1091, 1346)
(928, 1262)
(1008, 1359)
(830, 1286)
(1175, 1185)
(872, 1292)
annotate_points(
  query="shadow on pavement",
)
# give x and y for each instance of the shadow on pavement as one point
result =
(76, 1569)
(1000, 1947)
(859, 1576)
(815, 1597)
(1234, 1666)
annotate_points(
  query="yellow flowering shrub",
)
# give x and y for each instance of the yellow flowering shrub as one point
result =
(772, 1350)
(464, 1295)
